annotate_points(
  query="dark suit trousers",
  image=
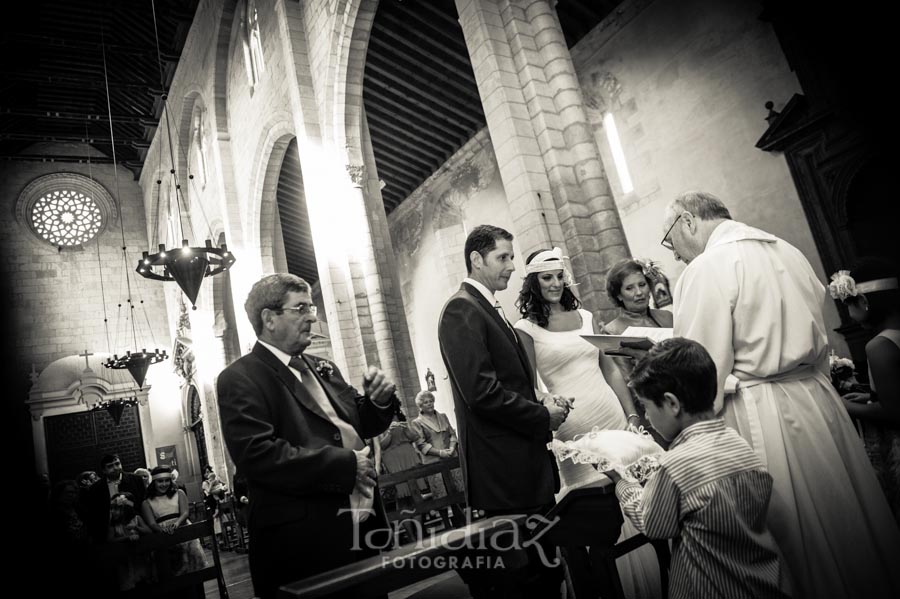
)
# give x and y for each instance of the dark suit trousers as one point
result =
(523, 576)
(292, 551)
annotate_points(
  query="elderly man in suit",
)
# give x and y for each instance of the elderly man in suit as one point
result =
(95, 503)
(503, 428)
(294, 429)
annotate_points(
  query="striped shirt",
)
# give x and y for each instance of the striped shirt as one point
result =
(710, 494)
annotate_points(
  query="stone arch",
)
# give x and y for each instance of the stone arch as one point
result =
(355, 24)
(273, 145)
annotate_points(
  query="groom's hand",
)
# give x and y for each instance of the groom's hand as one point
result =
(557, 415)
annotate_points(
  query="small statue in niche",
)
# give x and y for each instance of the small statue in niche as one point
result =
(429, 380)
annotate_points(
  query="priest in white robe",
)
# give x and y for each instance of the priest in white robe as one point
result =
(755, 303)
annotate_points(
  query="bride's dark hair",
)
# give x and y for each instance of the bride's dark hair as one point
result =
(531, 303)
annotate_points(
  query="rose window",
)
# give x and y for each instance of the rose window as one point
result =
(66, 218)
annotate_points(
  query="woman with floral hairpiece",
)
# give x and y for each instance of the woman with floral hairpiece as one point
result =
(871, 292)
(550, 331)
(630, 286)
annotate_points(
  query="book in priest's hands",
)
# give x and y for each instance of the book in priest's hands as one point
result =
(631, 338)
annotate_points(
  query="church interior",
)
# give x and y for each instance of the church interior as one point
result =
(355, 143)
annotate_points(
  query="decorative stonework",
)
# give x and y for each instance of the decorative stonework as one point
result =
(65, 209)
(406, 229)
(357, 173)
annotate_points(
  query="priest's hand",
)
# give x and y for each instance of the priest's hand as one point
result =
(365, 472)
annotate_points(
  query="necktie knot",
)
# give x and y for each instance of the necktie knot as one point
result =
(297, 363)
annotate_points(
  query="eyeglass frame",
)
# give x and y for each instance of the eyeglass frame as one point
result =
(301, 310)
(665, 240)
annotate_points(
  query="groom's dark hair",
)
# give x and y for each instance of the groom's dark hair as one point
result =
(483, 239)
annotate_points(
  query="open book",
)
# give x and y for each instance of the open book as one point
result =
(632, 337)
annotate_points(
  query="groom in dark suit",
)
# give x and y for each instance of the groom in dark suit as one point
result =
(294, 429)
(503, 428)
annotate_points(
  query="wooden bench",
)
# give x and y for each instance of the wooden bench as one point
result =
(155, 548)
(422, 505)
(395, 569)
(591, 517)
(586, 517)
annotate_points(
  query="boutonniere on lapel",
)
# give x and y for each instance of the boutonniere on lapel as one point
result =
(325, 369)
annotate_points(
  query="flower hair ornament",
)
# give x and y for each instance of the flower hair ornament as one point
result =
(552, 260)
(843, 286)
(651, 269)
(324, 369)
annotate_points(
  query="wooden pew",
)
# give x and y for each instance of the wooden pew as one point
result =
(155, 547)
(420, 504)
(404, 565)
(585, 517)
(591, 517)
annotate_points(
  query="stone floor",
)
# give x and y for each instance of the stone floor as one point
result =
(236, 569)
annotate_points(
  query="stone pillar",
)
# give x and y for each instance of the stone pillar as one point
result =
(549, 163)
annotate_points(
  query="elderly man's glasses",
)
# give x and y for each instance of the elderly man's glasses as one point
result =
(301, 310)
(665, 240)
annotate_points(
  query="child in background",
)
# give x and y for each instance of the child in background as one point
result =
(126, 525)
(711, 493)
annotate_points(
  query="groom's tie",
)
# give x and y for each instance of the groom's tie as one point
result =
(499, 309)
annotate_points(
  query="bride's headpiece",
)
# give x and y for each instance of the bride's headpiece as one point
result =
(552, 260)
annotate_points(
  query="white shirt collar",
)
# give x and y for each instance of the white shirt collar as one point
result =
(482, 289)
(281, 355)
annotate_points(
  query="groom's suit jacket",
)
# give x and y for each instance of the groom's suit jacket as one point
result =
(503, 430)
(290, 453)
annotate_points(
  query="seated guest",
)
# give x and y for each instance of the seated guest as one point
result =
(144, 474)
(126, 525)
(397, 452)
(711, 492)
(95, 500)
(209, 478)
(87, 479)
(871, 292)
(164, 510)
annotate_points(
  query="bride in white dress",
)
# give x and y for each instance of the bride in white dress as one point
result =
(571, 367)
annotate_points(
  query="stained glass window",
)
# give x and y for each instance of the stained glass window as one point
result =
(66, 218)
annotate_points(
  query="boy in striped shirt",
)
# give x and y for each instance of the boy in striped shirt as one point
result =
(711, 492)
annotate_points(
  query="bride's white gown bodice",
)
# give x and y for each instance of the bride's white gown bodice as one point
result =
(569, 366)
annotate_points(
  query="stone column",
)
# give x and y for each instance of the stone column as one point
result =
(548, 160)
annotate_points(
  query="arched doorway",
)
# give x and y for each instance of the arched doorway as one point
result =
(195, 423)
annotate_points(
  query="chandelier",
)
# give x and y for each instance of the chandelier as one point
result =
(136, 362)
(115, 407)
(186, 265)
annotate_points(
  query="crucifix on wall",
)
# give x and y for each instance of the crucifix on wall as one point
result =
(86, 355)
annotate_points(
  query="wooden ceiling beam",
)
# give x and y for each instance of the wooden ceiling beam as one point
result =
(382, 49)
(75, 116)
(385, 128)
(409, 153)
(440, 123)
(465, 74)
(416, 125)
(402, 92)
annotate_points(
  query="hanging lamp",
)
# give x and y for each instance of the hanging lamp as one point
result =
(136, 362)
(187, 265)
